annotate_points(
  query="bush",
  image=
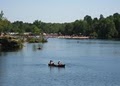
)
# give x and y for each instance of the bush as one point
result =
(8, 44)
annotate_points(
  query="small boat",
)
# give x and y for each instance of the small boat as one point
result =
(55, 65)
(39, 48)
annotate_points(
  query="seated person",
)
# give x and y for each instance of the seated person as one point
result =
(51, 62)
(59, 63)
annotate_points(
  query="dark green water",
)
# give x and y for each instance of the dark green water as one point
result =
(88, 63)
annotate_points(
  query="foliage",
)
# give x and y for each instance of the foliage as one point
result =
(9, 43)
(104, 28)
(36, 40)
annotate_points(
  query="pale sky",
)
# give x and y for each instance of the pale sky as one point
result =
(59, 11)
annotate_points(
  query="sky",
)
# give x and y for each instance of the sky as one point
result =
(57, 11)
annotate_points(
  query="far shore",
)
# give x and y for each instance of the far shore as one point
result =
(66, 36)
(74, 37)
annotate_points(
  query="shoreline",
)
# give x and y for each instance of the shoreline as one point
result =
(74, 37)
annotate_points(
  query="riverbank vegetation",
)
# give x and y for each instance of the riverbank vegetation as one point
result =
(36, 40)
(10, 43)
(102, 27)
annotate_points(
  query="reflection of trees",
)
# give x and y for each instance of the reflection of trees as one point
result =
(3, 53)
(61, 69)
(34, 47)
(52, 69)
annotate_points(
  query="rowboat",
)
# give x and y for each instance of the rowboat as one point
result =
(55, 65)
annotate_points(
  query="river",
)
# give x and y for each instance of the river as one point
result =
(88, 63)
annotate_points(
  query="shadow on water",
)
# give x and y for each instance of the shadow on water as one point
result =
(3, 54)
(58, 69)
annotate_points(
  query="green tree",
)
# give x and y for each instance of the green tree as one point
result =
(88, 21)
(107, 29)
(1, 15)
(101, 17)
(5, 26)
(80, 27)
(94, 29)
(116, 17)
(69, 29)
(36, 30)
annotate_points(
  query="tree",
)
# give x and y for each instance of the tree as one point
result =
(5, 26)
(69, 29)
(116, 17)
(77, 28)
(80, 27)
(18, 27)
(101, 17)
(36, 30)
(37, 23)
(94, 28)
(88, 21)
(1, 15)
(107, 29)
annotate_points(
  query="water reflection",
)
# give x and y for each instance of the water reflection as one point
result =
(3, 53)
(56, 69)
(34, 47)
(37, 46)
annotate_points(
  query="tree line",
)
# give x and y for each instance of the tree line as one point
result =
(102, 27)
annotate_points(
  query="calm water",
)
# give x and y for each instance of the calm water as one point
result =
(88, 63)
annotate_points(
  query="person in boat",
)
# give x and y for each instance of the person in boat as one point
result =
(51, 62)
(59, 63)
